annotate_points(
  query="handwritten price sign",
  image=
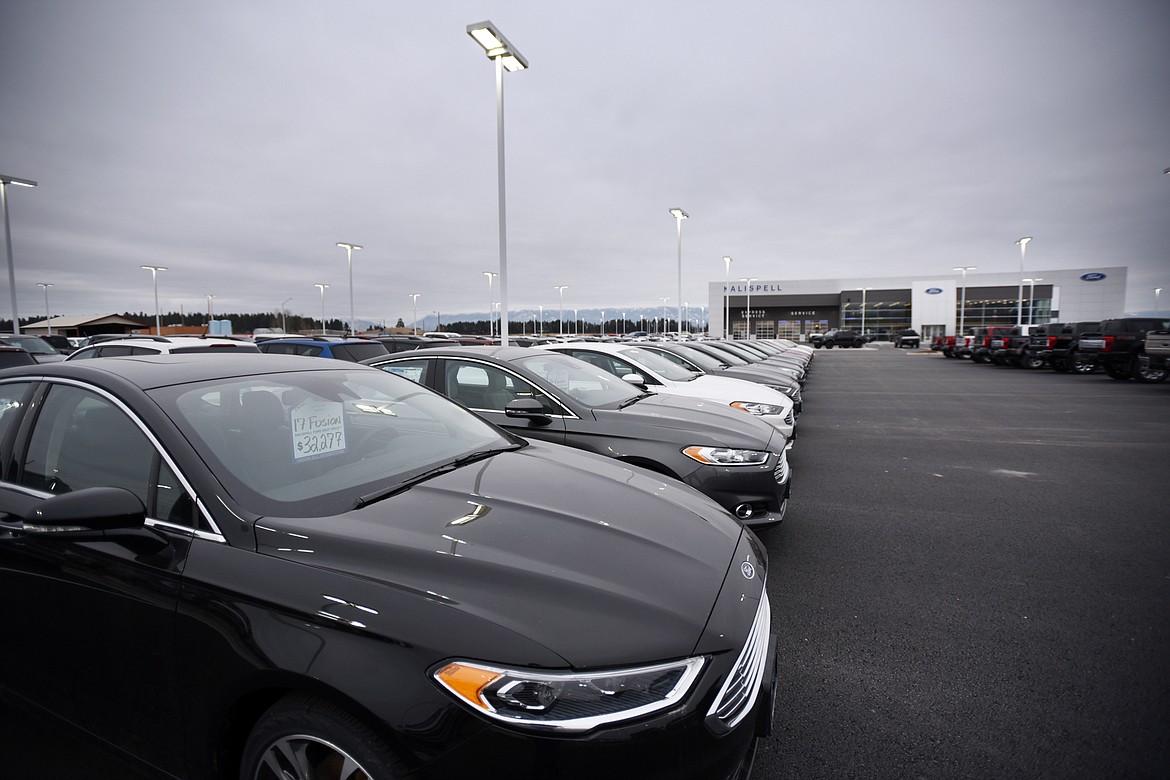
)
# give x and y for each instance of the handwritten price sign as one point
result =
(318, 428)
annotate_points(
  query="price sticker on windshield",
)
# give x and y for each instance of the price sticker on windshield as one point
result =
(318, 429)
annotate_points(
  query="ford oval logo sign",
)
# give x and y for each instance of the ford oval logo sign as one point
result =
(933, 290)
(1093, 277)
(747, 570)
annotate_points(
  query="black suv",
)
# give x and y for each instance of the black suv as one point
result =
(1118, 346)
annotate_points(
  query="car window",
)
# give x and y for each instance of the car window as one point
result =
(358, 352)
(659, 364)
(82, 440)
(418, 370)
(11, 402)
(490, 388)
(579, 380)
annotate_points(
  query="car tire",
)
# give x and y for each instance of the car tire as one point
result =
(1145, 371)
(1080, 365)
(301, 737)
(1032, 362)
(858, 343)
(1120, 371)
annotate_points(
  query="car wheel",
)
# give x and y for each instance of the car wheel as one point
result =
(1080, 365)
(1145, 371)
(1032, 361)
(857, 343)
(304, 738)
(1120, 370)
(828, 345)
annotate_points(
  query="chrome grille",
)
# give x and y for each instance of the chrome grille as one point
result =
(781, 471)
(738, 694)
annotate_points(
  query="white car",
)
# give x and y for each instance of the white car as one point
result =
(659, 375)
(162, 345)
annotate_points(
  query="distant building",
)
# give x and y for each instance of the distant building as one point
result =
(931, 305)
(85, 325)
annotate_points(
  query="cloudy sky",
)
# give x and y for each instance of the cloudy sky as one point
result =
(236, 142)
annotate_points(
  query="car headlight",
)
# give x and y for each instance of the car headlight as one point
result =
(568, 701)
(725, 456)
(753, 407)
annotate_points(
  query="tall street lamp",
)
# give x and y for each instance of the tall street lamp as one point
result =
(349, 262)
(679, 215)
(322, 287)
(48, 317)
(727, 297)
(963, 299)
(283, 329)
(506, 57)
(1158, 294)
(662, 327)
(1032, 300)
(209, 297)
(864, 290)
(560, 288)
(5, 180)
(541, 308)
(154, 269)
(414, 305)
(602, 333)
(1023, 242)
(491, 301)
(748, 281)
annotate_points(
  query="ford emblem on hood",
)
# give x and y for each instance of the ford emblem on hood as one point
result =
(748, 571)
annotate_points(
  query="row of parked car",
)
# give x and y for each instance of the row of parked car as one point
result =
(1123, 348)
(575, 586)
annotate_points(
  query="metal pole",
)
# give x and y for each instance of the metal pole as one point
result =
(491, 302)
(727, 297)
(502, 203)
(48, 316)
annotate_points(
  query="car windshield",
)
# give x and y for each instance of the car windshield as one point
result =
(34, 345)
(700, 359)
(659, 364)
(313, 443)
(579, 380)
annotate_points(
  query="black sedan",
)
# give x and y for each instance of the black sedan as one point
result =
(275, 568)
(734, 458)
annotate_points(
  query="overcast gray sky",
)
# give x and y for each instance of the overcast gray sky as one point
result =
(236, 142)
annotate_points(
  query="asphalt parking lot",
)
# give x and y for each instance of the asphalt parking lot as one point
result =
(973, 579)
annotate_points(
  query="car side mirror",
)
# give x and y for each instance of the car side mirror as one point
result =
(96, 509)
(635, 379)
(527, 408)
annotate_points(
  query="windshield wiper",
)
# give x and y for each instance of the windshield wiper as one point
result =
(452, 465)
(634, 400)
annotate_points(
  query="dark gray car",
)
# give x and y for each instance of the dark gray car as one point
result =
(734, 458)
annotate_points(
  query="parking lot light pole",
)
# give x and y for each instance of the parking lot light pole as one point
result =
(963, 299)
(662, 327)
(154, 269)
(748, 286)
(283, 329)
(491, 301)
(48, 317)
(1023, 242)
(322, 287)
(864, 290)
(5, 180)
(506, 57)
(679, 215)
(1032, 300)
(726, 297)
(1157, 299)
(349, 262)
(560, 288)
(414, 306)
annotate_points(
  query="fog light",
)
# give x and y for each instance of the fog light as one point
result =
(744, 511)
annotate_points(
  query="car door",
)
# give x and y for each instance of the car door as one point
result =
(89, 617)
(487, 389)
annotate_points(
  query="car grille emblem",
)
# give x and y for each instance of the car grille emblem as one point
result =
(747, 570)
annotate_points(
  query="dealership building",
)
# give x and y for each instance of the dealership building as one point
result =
(933, 306)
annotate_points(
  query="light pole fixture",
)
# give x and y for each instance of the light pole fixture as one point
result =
(1032, 300)
(727, 297)
(963, 299)
(662, 327)
(414, 305)
(506, 57)
(5, 180)
(748, 283)
(679, 215)
(560, 288)
(1023, 242)
(283, 329)
(349, 262)
(154, 269)
(1158, 290)
(322, 287)
(48, 317)
(491, 300)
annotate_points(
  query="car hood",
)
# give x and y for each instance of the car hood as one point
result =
(727, 390)
(563, 547)
(697, 420)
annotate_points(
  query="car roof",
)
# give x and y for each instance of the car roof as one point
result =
(151, 371)
(506, 354)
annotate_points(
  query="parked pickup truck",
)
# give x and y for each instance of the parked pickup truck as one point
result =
(1158, 348)
(908, 338)
(987, 339)
(1055, 345)
(1119, 346)
(1007, 348)
(945, 345)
